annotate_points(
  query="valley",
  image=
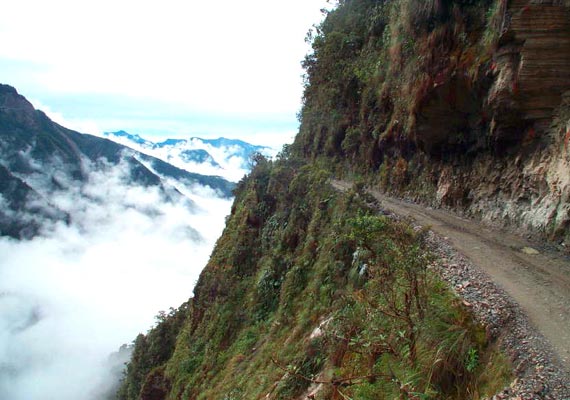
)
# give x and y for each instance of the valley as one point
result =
(91, 238)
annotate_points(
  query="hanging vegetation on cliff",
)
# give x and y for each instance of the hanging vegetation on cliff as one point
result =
(456, 103)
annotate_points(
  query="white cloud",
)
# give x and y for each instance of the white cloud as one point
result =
(72, 296)
(225, 56)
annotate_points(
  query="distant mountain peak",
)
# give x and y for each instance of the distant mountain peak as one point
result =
(171, 142)
(132, 137)
(8, 90)
(229, 158)
(39, 158)
(222, 141)
(11, 100)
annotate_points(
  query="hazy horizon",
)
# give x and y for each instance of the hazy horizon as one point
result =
(182, 69)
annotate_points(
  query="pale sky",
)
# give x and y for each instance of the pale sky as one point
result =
(170, 68)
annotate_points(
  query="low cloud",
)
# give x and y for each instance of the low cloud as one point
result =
(229, 161)
(74, 294)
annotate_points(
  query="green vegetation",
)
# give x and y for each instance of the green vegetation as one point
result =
(378, 66)
(309, 291)
(307, 285)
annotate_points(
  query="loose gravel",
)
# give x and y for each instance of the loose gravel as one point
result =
(539, 374)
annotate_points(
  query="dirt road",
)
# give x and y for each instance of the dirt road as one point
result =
(538, 281)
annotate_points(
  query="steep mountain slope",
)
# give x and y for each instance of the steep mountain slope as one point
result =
(458, 104)
(38, 158)
(230, 158)
(95, 238)
(310, 286)
(314, 294)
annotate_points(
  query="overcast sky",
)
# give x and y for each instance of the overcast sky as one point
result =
(168, 68)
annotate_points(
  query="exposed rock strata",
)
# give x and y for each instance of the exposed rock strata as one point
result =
(528, 188)
(503, 152)
(532, 62)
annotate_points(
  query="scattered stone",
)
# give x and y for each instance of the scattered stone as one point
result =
(538, 373)
(530, 251)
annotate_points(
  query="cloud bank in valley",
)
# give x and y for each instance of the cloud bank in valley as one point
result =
(228, 158)
(73, 295)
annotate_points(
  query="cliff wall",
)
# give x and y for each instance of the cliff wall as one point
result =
(457, 104)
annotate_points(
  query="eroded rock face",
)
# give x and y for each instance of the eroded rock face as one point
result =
(532, 65)
(528, 189)
(519, 175)
(449, 117)
(516, 97)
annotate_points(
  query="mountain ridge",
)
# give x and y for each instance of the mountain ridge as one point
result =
(38, 156)
(230, 158)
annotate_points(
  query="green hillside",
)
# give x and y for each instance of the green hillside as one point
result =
(308, 285)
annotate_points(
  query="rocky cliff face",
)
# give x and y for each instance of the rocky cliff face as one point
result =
(463, 104)
(533, 60)
(527, 185)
